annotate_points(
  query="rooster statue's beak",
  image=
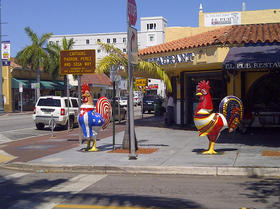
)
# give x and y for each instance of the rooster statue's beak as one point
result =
(198, 94)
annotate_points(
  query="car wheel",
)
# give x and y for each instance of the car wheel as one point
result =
(40, 126)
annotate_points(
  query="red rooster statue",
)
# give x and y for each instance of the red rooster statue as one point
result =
(211, 124)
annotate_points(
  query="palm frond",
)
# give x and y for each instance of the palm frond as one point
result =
(33, 36)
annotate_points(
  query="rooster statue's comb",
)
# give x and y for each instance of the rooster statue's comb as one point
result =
(203, 85)
(85, 87)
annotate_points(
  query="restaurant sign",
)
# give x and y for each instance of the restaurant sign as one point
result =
(222, 19)
(253, 65)
(173, 59)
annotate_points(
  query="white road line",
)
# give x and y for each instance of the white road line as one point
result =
(15, 130)
(12, 176)
(73, 186)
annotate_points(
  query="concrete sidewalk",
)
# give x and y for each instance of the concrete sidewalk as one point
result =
(179, 152)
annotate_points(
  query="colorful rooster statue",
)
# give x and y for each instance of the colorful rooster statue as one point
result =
(211, 124)
(91, 120)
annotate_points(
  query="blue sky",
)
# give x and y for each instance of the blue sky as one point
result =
(94, 16)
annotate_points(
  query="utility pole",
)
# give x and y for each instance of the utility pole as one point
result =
(1, 77)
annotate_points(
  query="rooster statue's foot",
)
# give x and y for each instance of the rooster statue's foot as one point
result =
(209, 152)
(93, 149)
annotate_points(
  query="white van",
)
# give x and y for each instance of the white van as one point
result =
(55, 107)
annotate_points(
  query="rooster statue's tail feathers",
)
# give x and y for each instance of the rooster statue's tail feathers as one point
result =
(232, 108)
(103, 106)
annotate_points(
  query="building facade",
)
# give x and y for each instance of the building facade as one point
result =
(240, 60)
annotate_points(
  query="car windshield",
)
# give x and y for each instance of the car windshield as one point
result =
(149, 98)
(123, 98)
(49, 102)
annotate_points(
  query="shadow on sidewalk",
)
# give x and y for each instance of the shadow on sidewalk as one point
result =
(269, 137)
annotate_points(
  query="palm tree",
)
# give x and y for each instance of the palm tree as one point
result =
(54, 54)
(116, 57)
(35, 55)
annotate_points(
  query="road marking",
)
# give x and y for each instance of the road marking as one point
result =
(5, 157)
(12, 176)
(15, 130)
(73, 186)
(4, 139)
(102, 207)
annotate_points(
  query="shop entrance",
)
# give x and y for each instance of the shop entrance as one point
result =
(263, 100)
(218, 92)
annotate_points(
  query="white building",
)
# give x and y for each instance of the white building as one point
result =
(152, 33)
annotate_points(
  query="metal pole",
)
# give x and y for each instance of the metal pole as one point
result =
(21, 103)
(1, 82)
(114, 113)
(132, 155)
(79, 102)
(68, 103)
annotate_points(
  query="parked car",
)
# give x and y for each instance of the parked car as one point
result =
(56, 107)
(151, 103)
(123, 101)
(123, 111)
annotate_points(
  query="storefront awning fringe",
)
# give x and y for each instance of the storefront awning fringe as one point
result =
(252, 58)
(26, 84)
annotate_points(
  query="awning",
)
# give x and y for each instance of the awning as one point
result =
(26, 84)
(252, 58)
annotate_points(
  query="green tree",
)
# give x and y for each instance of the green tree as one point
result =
(144, 69)
(34, 56)
(54, 54)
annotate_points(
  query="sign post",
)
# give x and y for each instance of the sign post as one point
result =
(1, 81)
(131, 20)
(113, 77)
(20, 88)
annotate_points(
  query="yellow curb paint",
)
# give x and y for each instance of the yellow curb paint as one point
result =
(101, 207)
(6, 157)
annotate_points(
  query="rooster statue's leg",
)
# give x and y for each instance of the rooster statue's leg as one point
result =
(94, 136)
(210, 150)
(93, 148)
(88, 144)
(212, 138)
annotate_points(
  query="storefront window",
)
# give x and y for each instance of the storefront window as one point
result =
(264, 95)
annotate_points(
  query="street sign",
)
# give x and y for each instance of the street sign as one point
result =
(77, 62)
(141, 82)
(134, 45)
(132, 12)
(35, 85)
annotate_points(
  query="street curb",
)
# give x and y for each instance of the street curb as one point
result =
(160, 170)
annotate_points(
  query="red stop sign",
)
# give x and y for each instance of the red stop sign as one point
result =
(132, 11)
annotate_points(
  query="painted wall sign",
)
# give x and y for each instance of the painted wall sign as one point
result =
(173, 59)
(222, 19)
(254, 65)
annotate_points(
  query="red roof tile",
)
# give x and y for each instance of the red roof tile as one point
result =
(238, 34)
(96, 79)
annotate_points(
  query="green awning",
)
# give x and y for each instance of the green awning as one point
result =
(26, 84)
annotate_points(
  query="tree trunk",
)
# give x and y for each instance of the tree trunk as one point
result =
(126, 142)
